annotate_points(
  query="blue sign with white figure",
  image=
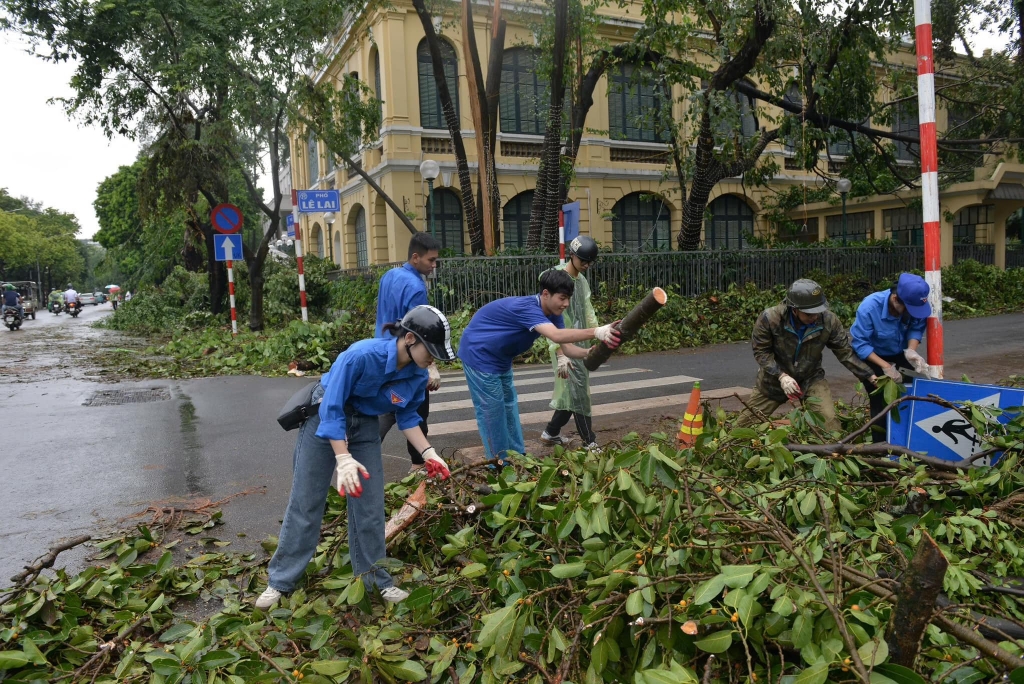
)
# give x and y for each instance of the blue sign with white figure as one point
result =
(227, 247)
(313, 201)
(290, 223)
(942, 432)
(571, 212)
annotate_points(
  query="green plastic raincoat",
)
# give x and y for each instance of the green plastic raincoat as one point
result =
(574, 394)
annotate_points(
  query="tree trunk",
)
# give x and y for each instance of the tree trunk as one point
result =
(256, 294)
(216, 275)
(919, 589)
(486, 179)
(469, 210)
(544, 214)
(706, 174)
(628, 327)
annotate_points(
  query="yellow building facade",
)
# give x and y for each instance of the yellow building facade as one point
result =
(620, 174)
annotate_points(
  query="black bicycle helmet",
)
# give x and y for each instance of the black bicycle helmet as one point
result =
(584, 247)
(430, 327)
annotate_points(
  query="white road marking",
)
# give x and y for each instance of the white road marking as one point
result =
(446, 389)
(594, 389)
(537, 417)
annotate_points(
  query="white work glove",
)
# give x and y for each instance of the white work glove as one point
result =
(436, 467)
(608, 334)
(564, 362)
(790, 387)
(893, 374)
(433, 378)
(348, 472)
(916, 360)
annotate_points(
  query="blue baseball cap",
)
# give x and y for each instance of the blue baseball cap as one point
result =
(913, 292)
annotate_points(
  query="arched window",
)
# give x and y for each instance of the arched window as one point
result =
(318, 239)
(641, 224)
(314, 159)
(362, 258)
(970, 221)
(905, 123)
(524, 93)
(795, 97)
(634, 103)
(447, 212)
(516, 219)
(731, 223)
(431, 114)
(337, 247)
(377, 91)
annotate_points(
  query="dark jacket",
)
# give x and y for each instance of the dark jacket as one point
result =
(779, 349)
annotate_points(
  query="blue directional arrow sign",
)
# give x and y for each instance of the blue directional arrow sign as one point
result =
(312, 201)
(227, 247)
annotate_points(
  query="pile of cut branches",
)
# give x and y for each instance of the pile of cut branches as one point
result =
(745, 558)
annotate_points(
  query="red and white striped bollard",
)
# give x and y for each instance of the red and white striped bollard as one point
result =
(231, 298)
(298, 254)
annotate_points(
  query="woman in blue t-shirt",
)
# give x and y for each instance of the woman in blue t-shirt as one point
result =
(371, 378)
(501, 331)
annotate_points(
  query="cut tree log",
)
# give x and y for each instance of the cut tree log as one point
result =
(915, 603)
(628, 327)
(407, 513)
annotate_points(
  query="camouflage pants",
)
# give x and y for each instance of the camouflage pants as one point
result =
(764, 405)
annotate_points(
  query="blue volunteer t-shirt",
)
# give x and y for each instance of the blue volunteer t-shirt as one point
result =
(501, 331)
(401, 290)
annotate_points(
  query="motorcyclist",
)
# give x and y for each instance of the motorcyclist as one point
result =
(70, 296)
(56, 298)
(12, 300)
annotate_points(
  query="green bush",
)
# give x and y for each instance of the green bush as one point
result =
(182, 301)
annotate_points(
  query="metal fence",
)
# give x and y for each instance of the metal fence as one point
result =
(478, 280)
(983, 254)
(1015, 256)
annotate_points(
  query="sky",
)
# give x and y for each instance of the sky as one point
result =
(57, 161)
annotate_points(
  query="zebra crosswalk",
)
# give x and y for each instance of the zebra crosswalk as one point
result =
(614, 390)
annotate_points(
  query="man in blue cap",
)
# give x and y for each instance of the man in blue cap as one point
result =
(888, 330)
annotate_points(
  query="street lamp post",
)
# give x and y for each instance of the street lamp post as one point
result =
(844, 185)
(429, 170)
(329, 220)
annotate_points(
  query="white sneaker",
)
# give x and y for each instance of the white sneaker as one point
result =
(268, 598)
(394, 595)
(549, 440)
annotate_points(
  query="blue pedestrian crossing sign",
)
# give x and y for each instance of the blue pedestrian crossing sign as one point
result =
(227, 247)
(943, 432)
(289, 222)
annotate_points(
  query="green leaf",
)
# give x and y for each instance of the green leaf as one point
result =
(635, 603)
(493, 622)
(709, 590)
(718, 642)
(737, 576)
(802, 630)
(35, 656)
(409, 670)
(356, 592)
(12, 659)
(815, 674)
(419, 598)
(331, 668)
(874, 652)
(474, 570)
(742, 433)
(904, 675)
(215, 659)
(176, 632)
(566, 570)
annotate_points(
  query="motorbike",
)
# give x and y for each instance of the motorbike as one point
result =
(56, 308)
(73, 308)
(12, 318)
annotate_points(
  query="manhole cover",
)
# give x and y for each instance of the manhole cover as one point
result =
(128, 396)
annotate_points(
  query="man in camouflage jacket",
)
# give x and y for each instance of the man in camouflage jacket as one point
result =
(788, 342)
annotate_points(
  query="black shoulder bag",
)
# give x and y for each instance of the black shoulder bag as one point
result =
(297, 409)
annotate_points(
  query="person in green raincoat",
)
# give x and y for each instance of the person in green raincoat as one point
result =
(571, 397)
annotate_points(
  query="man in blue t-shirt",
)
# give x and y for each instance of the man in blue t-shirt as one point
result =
(12, 300)
(501, 331)
(401, 290)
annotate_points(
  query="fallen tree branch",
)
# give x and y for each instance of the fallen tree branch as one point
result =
(883, 449)
(919, 590)
(46, 561)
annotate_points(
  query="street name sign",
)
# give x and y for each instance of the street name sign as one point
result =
(314, 201)
(226, 218)
(227, 247)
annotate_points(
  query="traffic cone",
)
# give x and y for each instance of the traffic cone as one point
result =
(693, 419)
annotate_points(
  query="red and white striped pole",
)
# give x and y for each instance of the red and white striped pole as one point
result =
(298, 254)
(231, 297)
(929, 181)
(561, 237)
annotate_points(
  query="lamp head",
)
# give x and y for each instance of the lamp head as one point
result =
(429, 169)
(844, 186)
(329, 217)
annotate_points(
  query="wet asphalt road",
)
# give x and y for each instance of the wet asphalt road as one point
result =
(71, 469)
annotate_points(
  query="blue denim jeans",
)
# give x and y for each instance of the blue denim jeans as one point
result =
(497, 411)
(312, 469)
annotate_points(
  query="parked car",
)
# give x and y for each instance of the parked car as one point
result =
(101, 297)
(87, 298)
